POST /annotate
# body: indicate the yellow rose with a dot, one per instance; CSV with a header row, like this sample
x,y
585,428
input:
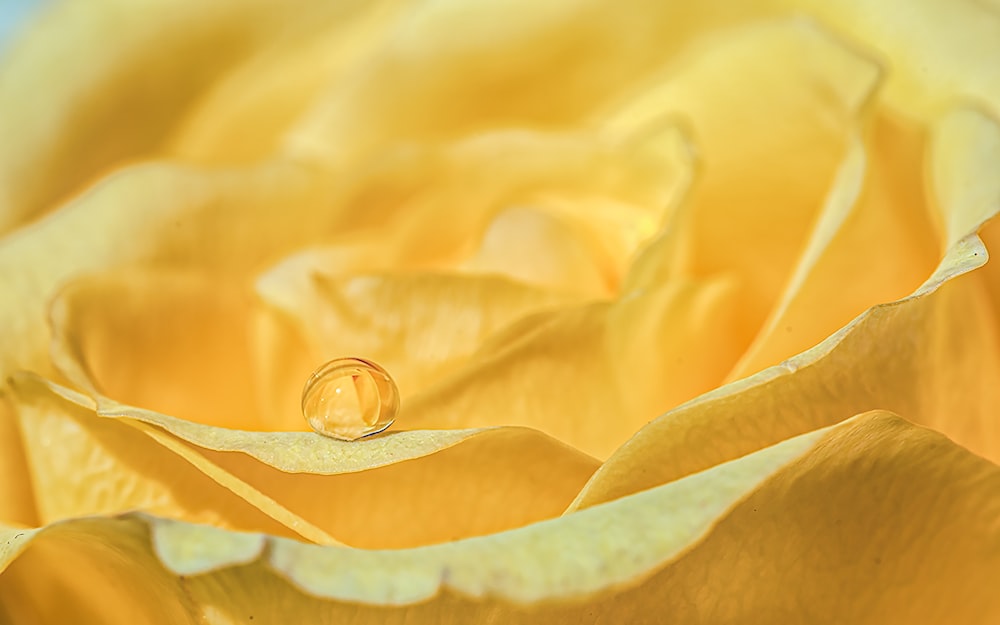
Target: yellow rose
x,y
686,303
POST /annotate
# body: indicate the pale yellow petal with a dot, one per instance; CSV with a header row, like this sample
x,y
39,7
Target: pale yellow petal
x,y
434,479
819,527
93,86
875,242
80,465
773,108
625,542
635,357
224,221
244,114
962,169
447,68
418,326
937,52
921,356
432,202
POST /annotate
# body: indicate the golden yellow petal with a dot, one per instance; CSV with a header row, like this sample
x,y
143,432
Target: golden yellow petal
x,y
174,342
17,502
921,356
636,357
98,85
225,221
820,526
419,326
432,202
123,583
625,540
873,243
433,479
768,161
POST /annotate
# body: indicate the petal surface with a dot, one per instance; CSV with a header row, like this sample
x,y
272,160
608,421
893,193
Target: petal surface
x,y
780,533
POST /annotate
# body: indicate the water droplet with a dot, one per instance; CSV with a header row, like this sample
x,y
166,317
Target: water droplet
x,y
349,398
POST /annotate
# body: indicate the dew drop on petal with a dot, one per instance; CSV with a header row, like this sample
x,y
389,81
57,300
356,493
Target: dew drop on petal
x,y
349,398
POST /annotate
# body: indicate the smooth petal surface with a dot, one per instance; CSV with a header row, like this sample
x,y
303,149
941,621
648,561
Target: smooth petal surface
x,y
418,326
17,501
636,357
768,162
446,69
876,233
938,53
156,214
92,88
102,84
174,342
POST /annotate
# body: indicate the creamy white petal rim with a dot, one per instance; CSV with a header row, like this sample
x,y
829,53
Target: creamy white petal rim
x,y
606,547
291,452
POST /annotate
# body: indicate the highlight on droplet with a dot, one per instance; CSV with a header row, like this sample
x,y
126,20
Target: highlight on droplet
x,y
350,398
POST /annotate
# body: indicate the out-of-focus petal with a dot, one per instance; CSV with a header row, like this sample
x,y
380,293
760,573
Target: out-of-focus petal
x,y
244,114
17,503
97,85
124,582
666,339
224,221
418,326
938,53
636,357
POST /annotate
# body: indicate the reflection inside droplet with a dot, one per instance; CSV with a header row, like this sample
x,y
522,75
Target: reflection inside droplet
x,y
349,398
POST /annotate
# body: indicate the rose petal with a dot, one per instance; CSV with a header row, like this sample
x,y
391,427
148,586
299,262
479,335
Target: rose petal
x,y
635,357
939,52
768,161
432,479
431,202
542,561
444,69
17,503
875,235
628,374
921,356
92,88
81,465
43,582
418,326
176,342
244,114
822,525
154,214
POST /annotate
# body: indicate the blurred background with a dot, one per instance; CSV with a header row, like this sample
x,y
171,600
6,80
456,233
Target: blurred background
x,y
13,13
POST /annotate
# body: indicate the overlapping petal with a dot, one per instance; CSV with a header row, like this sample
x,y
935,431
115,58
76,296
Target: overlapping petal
x,y
917,356
782,525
